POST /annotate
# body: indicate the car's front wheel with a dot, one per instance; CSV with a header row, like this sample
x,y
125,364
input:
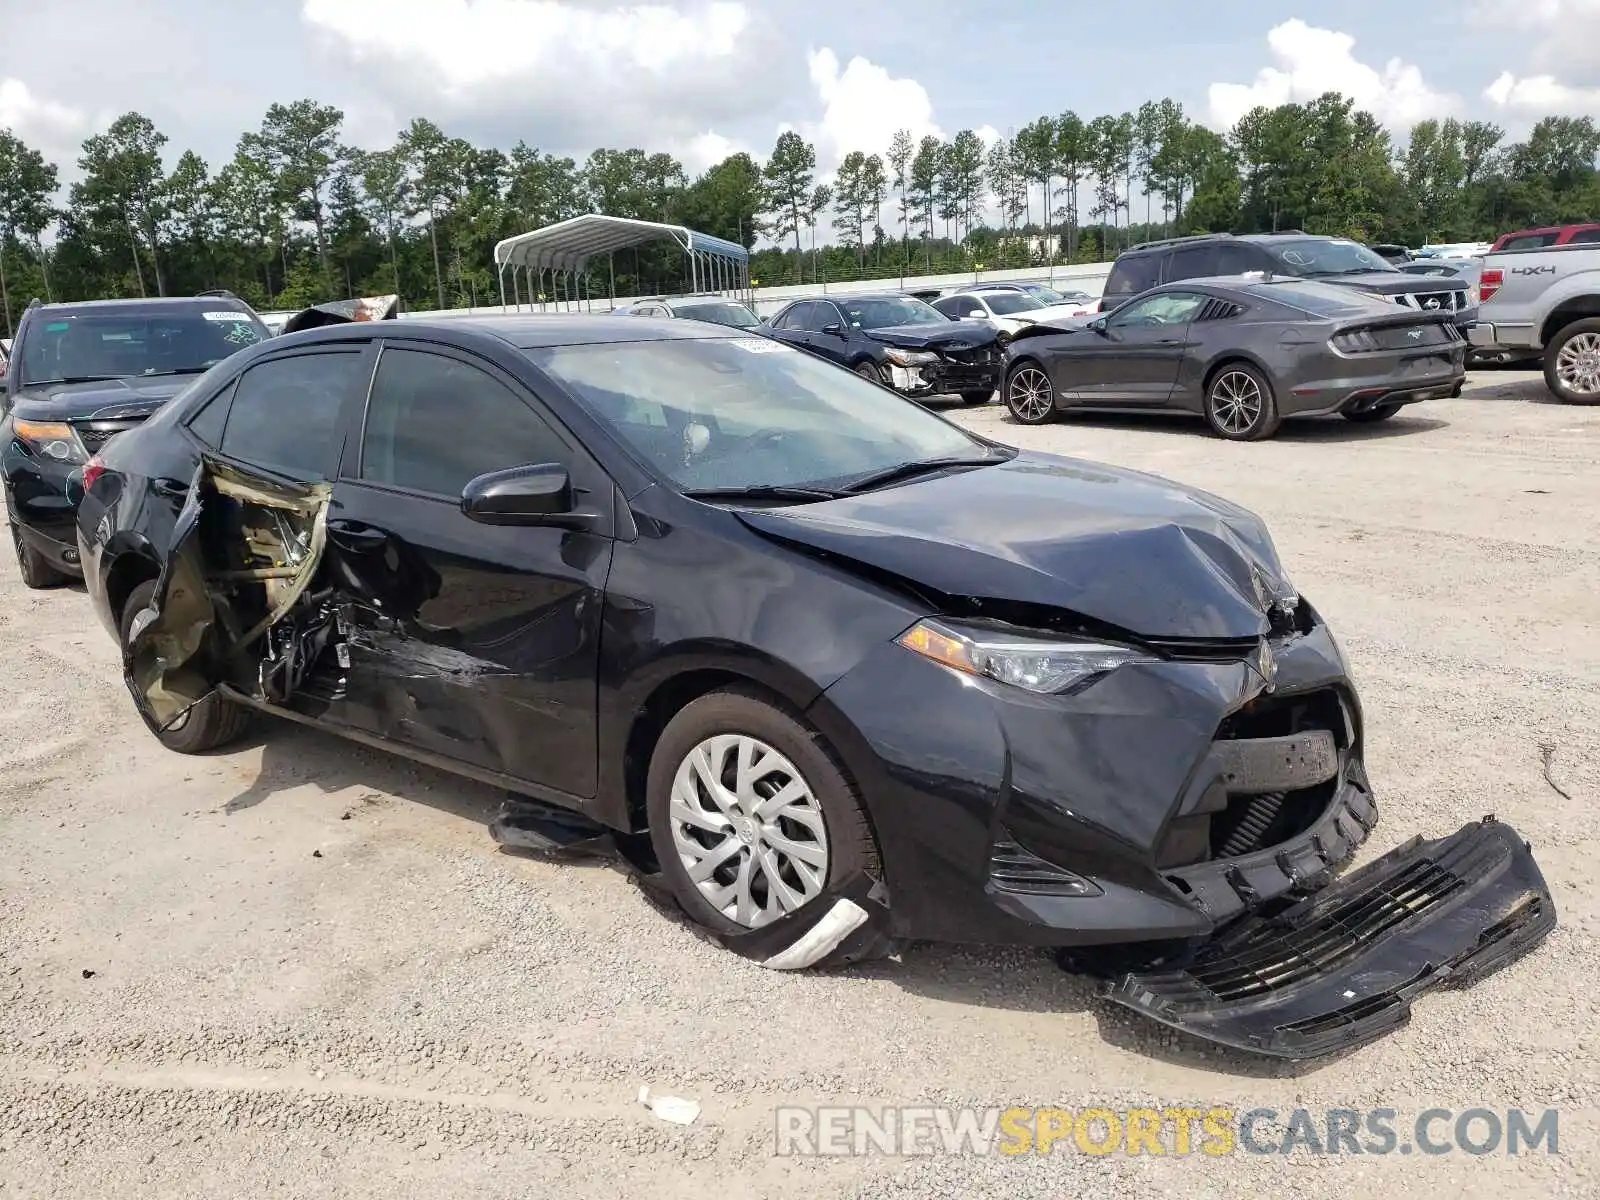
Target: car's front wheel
x,y
212,723
751,815
868,370
1029,395
34,568
1240,405
1572,363
1380,412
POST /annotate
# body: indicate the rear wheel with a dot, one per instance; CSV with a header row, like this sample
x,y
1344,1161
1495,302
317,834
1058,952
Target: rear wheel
x,y
751,815
1029,396
1240,405
36,570
212,723
1572,363
1380,412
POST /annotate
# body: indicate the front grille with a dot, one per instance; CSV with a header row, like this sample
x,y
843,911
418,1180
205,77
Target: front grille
x,y
95,434
1433,301
982,357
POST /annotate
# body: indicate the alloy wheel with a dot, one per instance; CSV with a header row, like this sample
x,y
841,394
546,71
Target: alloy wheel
x,y
1236,401
1578,363
1029,395
747,829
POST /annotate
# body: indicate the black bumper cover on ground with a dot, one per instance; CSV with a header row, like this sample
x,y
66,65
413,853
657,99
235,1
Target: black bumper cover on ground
x,y
1341,968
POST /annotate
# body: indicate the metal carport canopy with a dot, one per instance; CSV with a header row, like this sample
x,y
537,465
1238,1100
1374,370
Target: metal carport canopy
x,y
569,245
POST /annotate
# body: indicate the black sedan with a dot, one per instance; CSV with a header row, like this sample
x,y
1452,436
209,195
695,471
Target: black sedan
x,y
82,374
1243,352
826,669
896,340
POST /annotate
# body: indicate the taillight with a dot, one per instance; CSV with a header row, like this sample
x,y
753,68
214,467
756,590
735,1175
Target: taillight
x,y
1489,283
92,470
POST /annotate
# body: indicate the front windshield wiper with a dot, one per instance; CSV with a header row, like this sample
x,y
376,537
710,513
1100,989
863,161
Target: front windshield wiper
x,y
908,470
28,383
176,371
764,491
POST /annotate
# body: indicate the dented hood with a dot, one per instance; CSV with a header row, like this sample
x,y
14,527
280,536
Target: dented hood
x,y
938,335
1130,550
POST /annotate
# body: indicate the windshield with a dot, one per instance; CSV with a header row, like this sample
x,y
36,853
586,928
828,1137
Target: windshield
x,y
1043,294
744,412
111,345
725,313
1313,258
1003,304
889,311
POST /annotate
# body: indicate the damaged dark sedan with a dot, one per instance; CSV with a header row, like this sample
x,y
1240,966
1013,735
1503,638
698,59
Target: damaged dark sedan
x,y
898,341
824,669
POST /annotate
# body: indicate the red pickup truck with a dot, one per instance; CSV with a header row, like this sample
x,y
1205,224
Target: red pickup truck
x,y
1548,235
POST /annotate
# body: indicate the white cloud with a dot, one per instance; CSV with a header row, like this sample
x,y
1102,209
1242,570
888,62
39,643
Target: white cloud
x,y
862,107
1565,37
566,74
1542,95
706,150
1310,61
54,129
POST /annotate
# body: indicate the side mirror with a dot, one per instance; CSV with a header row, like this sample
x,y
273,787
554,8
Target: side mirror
x,y
1099,326
977,314
534,495
834,328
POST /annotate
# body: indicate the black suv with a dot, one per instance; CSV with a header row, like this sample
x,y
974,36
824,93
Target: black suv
x,y
79,375
1292,252
896,340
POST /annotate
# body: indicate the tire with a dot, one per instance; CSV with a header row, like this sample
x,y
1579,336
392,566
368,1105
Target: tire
x,y
212,723
718,726
1029,395
870,371
1381,413
1572,363
37,572
976,397
1239,404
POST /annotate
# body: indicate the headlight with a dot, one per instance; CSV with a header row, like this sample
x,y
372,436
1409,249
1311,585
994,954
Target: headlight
x,y
1042,665
910,358
49,439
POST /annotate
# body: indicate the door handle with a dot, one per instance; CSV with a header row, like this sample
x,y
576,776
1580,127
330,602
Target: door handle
x,y
356,535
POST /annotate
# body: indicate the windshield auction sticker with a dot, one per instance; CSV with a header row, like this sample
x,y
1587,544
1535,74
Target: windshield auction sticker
x,y
761,345
226,316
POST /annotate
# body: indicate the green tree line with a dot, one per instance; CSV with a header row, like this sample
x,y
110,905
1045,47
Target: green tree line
x,y
297,216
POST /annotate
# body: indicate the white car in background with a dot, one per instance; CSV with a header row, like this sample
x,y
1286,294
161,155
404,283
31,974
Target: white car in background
x,y
1005,310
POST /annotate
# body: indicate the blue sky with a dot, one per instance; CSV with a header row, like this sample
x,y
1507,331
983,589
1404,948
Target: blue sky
x,y
700,78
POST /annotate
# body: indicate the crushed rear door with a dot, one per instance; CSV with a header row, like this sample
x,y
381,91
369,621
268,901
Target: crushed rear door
x,y
265,540
1342,967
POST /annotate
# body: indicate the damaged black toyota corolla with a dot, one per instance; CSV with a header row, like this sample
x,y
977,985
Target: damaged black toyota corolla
x,y
826,669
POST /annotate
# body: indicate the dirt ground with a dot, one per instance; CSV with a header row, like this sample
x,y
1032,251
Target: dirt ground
x,y
300,968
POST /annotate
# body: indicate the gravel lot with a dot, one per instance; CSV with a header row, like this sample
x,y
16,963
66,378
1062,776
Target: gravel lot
x,y
313,973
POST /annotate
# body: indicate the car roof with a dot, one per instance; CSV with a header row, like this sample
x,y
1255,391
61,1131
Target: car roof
x,y
529,331
140,303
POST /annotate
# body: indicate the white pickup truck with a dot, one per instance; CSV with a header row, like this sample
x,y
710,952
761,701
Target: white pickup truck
x,y
1545,302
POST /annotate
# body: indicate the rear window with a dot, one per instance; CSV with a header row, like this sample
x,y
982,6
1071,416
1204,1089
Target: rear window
x,y
725,313
1319,301
107,344
1132,274
1005,303
1531,241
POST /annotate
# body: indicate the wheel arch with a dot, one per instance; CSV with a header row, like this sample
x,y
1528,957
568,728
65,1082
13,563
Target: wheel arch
x,y
127,571
1577,308
1234,358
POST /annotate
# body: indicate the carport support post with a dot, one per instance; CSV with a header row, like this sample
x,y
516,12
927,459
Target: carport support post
x,y
502,273
611,270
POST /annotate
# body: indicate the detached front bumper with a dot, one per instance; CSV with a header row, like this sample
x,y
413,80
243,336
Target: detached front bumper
x,y
977,371
1342,968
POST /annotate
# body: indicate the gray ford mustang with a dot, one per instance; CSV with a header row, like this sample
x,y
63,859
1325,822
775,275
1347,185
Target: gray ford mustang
x,y
1244,352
